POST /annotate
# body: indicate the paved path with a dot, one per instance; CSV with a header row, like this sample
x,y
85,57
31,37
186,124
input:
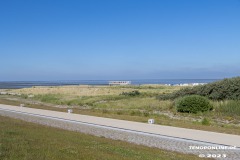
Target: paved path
x,y
172,138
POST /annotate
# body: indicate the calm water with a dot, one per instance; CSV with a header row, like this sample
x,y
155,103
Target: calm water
x,y
27,84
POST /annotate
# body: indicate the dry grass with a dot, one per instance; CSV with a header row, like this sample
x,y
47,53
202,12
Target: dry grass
x,y
85,90
145,103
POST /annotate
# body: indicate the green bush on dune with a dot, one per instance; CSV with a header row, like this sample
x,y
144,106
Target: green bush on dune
x,y
193,104
225,89
132,93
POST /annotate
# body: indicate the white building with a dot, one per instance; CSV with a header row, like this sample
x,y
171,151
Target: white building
x,y
111,83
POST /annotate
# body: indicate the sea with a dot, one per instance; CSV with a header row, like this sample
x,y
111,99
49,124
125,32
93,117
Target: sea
x,y
29,84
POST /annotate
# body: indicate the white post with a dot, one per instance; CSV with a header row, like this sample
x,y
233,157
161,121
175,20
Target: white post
x,y
151,121
70,111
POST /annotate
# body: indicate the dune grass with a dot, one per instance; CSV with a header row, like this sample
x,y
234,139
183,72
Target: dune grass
x,y
24,140
230,107
86,90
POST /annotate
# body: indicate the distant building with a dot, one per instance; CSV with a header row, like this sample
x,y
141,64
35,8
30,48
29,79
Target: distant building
x,y
189,84
197,84
119,83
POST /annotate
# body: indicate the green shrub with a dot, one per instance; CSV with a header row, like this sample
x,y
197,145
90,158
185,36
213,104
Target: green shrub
x,y
119,112
135,113
205,122
24,96
193,104
146,114
132,113
132,93
104,111
220,90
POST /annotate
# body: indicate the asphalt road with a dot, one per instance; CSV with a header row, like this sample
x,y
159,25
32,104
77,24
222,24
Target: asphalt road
x,y
145,128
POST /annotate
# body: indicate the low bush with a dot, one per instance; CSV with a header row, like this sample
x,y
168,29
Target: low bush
x,y
24,96
119,112
205,122
132,93
105,111
193,104
146,114
135,113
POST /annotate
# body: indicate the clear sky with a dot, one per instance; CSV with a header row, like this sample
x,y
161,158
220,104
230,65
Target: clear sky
x,y
119,39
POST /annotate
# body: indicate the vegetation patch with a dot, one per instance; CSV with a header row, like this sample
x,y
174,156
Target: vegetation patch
x,y
49,98
132,93
229,108
228,88
205,122
193,104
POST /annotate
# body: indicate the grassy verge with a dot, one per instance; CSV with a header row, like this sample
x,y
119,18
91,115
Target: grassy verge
x,y
138,116
24,140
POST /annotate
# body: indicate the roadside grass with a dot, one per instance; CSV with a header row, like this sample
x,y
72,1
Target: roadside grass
x,y
24,140
143,116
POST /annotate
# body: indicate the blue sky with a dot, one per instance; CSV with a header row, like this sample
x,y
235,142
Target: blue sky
x,y
119,39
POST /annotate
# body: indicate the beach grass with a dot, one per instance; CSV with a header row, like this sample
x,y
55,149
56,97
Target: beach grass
x,y
87,90
229,108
